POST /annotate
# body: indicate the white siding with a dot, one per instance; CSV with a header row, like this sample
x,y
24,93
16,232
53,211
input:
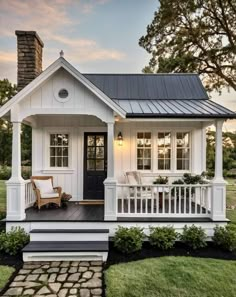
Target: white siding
x,y
80,99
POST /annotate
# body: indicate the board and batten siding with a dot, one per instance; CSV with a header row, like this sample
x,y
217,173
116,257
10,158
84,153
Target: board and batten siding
x,y
44,100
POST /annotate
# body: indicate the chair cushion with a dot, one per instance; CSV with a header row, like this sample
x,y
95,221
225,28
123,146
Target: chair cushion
x,y
131,179
44,186
49,195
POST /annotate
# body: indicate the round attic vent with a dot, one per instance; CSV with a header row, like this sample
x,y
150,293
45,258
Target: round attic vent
x,y
63,94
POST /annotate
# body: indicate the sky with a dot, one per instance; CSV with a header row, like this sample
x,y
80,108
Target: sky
x,y
95,35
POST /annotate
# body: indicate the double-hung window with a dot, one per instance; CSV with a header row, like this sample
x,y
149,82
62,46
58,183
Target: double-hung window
x,y
183,150
144,150
59,150
164,150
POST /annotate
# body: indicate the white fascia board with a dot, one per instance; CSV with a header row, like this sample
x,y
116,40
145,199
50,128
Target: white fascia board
x,y
61,62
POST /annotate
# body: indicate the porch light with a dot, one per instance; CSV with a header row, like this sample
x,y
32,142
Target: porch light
x,y
120,139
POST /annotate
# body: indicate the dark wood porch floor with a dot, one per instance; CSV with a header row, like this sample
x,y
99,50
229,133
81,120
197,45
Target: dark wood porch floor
x,y
92,213
74,212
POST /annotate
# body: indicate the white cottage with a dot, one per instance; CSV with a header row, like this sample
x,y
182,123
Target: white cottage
x,y
104,139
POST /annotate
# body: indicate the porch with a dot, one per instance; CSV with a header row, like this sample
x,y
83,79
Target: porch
x,y
146,202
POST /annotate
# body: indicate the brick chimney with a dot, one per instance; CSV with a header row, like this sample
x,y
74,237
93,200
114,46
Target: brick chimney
x,y
29,57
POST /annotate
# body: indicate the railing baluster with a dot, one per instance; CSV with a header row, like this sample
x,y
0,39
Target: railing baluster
x,y
190,200
185,200
180,189
175,200
169,199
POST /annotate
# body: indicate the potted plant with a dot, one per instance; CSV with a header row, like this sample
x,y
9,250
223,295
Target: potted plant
x,y
65,198
161,180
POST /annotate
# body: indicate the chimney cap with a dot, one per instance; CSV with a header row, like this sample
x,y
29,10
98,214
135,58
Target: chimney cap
x,y
61,54
32,33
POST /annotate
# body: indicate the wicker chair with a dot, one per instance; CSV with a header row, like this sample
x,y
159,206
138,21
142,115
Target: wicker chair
x,y
43,199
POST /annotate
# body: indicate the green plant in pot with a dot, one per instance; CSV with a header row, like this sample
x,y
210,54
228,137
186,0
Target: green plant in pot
x,y
65,198
161,180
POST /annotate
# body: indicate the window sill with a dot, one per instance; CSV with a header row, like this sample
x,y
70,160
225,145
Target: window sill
x,y
58,170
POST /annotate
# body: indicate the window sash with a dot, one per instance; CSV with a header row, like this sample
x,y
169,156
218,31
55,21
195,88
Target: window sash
x,y
59,150
144,150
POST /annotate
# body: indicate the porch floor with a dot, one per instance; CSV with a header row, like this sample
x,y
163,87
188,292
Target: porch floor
x,y
92,213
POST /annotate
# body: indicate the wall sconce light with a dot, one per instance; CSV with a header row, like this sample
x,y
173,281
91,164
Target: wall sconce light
x,y
120,139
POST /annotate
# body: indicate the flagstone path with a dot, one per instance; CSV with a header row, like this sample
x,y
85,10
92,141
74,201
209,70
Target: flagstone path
x,y
58,279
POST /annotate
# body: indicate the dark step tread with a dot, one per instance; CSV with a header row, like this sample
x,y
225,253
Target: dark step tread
x,y
69,246
69,231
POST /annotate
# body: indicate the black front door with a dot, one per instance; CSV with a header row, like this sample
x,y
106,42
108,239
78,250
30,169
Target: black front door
x,y
95,165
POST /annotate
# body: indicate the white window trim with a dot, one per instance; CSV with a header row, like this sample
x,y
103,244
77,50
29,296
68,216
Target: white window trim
x,y
154,156
46,143
136,149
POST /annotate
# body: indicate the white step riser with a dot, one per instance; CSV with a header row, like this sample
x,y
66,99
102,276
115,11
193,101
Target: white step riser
x,y
65,256
68,236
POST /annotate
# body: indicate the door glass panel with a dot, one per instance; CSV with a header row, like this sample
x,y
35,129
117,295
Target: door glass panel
x,y
91,140
91,152
99,165
100,152
91,165
99,140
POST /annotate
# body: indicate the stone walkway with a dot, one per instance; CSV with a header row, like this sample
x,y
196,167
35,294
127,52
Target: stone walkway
x,y
62,279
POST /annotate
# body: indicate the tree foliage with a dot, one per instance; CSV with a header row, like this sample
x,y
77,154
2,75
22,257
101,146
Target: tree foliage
x,y
7,91
194,36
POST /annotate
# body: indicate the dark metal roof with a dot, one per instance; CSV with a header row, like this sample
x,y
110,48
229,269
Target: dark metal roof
x,y
149,86
160,95
175,108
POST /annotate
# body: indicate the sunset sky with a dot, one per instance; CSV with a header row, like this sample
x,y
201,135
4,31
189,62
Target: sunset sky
x,y
96,35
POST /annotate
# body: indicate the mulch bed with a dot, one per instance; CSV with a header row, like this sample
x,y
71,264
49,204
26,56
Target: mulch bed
x,y
211,251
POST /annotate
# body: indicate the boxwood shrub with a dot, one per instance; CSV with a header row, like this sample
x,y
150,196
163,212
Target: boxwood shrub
x,y
225,237
129,240
194,237
163,237
13,241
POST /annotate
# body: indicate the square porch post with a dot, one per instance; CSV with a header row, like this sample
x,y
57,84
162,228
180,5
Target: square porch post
x,y
110,202
16,185
218,199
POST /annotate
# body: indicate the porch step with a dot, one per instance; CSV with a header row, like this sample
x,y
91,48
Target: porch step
x,y
69,235
70,251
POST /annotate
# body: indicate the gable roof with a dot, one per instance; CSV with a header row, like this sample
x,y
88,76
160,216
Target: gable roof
x,y
150,86
61,63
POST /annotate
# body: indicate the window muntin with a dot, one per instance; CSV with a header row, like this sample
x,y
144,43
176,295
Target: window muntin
x,y
59,150
144,150
182,150
164,151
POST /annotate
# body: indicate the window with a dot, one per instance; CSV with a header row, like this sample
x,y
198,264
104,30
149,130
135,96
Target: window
x,y
164,151
183,150
59,150
144,150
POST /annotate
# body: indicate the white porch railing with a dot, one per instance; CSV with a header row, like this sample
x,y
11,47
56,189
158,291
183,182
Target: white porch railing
x,y
164,200
29,194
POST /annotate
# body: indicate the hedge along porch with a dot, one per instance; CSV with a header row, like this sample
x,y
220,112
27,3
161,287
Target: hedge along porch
x,y
162,120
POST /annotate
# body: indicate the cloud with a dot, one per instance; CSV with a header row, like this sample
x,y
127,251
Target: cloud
x,y
7,57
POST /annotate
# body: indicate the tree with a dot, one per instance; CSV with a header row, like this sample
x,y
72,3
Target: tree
x,y
194,36
7,91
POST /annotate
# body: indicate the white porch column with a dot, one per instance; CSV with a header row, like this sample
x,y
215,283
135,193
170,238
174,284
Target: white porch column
x,y
218,199
110,203
16,185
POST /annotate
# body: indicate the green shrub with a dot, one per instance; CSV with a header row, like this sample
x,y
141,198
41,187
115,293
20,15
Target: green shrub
x,y
193,236
225,237
161,180
5,172
13,241
128,240
162,237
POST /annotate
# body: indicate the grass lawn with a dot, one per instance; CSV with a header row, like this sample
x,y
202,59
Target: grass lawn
x,y
231,199
172,277
5,274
